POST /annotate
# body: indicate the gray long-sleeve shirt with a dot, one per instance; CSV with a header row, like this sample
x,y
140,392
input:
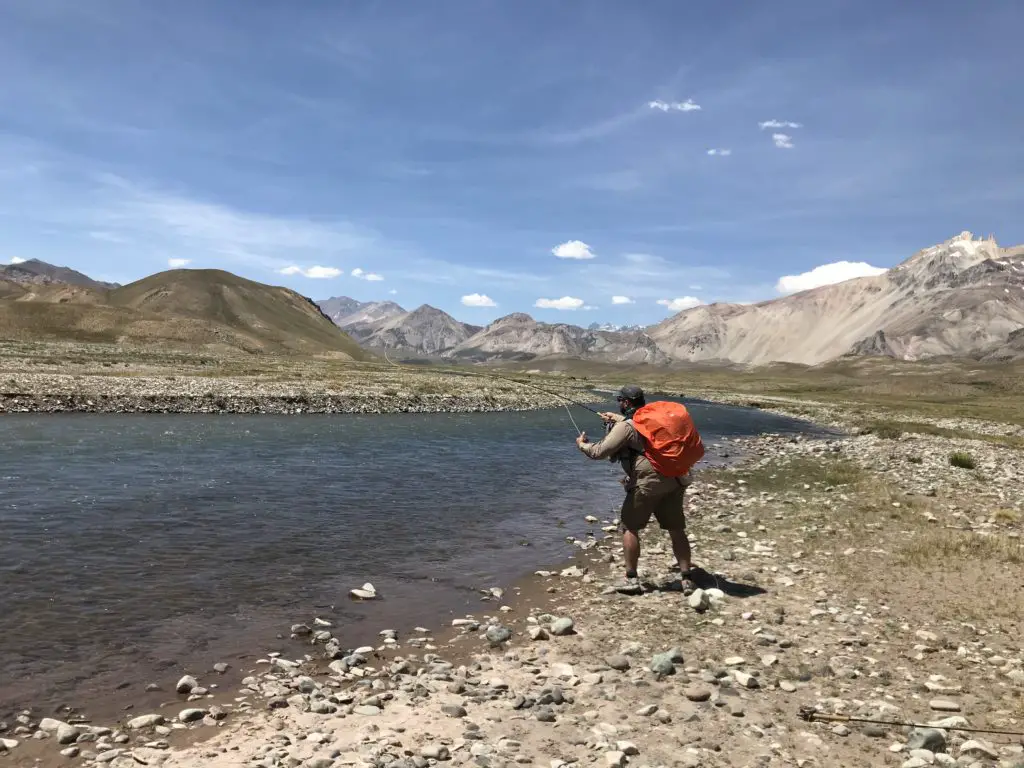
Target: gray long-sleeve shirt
x,y
625,445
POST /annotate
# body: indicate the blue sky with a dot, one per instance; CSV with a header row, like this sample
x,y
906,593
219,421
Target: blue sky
x,y
476,148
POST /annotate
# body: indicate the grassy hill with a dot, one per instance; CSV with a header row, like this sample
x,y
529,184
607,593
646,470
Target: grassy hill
x,y
210,309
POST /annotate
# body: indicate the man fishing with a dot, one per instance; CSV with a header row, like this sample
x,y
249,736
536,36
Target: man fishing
x,y
645,439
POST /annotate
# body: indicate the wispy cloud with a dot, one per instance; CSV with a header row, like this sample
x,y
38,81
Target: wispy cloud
x,y
719,152
14,260
478,300
107,237
782,140
774,124
314,273
826,274
178,263
573,249
622,300
681,303
566,302
362,275
674,106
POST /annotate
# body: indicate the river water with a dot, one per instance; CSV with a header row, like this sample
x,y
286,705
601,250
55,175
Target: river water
x,y
132,546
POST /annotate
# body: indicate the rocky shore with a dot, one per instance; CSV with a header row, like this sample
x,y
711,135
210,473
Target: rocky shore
x,y
375,391
869,578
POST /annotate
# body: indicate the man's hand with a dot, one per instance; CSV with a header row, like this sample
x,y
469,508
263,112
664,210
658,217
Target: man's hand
x,y
609,417
581,439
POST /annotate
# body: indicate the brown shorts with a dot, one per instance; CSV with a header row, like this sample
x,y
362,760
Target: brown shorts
x,y
667,508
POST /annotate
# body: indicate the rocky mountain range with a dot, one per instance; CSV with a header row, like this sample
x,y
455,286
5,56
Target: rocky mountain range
x,y
36,272
962,298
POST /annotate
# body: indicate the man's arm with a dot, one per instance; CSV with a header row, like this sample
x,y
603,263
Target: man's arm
x,y
613,442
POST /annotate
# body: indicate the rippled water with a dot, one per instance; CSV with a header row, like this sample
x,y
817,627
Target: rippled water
x,y
135,544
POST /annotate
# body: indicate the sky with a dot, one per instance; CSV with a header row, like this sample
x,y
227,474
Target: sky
x,y
582,160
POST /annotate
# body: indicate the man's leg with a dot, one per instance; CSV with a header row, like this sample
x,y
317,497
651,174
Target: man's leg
x,y
672,518
633,518
681,548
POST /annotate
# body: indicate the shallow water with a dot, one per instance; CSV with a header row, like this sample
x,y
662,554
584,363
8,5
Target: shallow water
x,y
133,546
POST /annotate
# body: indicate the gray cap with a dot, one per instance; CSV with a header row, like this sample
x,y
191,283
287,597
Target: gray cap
x,y
630,392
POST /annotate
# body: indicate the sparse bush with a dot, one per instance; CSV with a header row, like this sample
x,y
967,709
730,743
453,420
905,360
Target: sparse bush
x,y
888,431
915,459
962,459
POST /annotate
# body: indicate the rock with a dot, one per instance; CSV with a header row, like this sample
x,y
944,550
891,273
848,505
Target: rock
x,y
304,684
498,634
747,681
186,684
366,592
944,705
662,665
67,734
615,759
367,710
321,761
978,749
191,715
301,630
931,739
220,667
69,752
840,730
545,715
697,692
107,756
874,731
620,663
49,726
8,744
537,633
435,752
699,600
787,686
735,661
914,762
145,721
628,748
563,626
647,711
454,711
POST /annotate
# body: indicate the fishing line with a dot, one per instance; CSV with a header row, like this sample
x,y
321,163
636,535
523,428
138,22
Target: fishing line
x,y
521,383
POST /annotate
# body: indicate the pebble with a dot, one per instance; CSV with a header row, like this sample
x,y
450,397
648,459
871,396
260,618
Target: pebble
x,y
186,684
367,710
699,600
67,734
435,752
145,721
978,749
931,739
787,686
615,759
647,711
944,705
70,752
537,633
191,715
498,634
697,692
562,626
620,663
454,711
746,680
662,664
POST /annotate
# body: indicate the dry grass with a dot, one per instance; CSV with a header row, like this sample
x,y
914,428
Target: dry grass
x,y
962,460
949,548
794,474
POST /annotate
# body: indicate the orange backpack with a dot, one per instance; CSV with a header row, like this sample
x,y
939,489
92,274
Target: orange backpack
x,y
673,443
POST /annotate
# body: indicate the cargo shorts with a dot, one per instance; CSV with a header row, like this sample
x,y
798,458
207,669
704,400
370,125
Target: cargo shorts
x,y
666,507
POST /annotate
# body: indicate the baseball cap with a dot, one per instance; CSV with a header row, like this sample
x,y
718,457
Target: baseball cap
x,y
630,392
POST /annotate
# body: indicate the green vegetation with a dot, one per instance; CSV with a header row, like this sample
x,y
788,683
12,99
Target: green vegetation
x,y
793,475
962,459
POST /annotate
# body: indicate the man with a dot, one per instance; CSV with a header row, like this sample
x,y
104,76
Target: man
x,y
647,492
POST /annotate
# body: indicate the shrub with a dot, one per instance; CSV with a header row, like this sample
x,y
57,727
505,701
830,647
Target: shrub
x,y
962,459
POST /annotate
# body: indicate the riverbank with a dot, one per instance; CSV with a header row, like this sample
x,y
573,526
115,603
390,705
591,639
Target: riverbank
x,y
875,576
107,379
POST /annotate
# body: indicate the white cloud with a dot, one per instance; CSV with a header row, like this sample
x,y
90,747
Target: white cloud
x,y
392,291
826,274
478,300
676,106
681,303
358,272
782,140
778,124
573,249
314,273
178,263
566,302
719,152
16,260
622,300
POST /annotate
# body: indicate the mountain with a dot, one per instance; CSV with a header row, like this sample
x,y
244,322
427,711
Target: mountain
x,y
362,316
519,337
425,331
613,327
960,298
210,309
37,272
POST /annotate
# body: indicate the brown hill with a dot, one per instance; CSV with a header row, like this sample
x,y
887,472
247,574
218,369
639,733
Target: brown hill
x,y
36,272
205,308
